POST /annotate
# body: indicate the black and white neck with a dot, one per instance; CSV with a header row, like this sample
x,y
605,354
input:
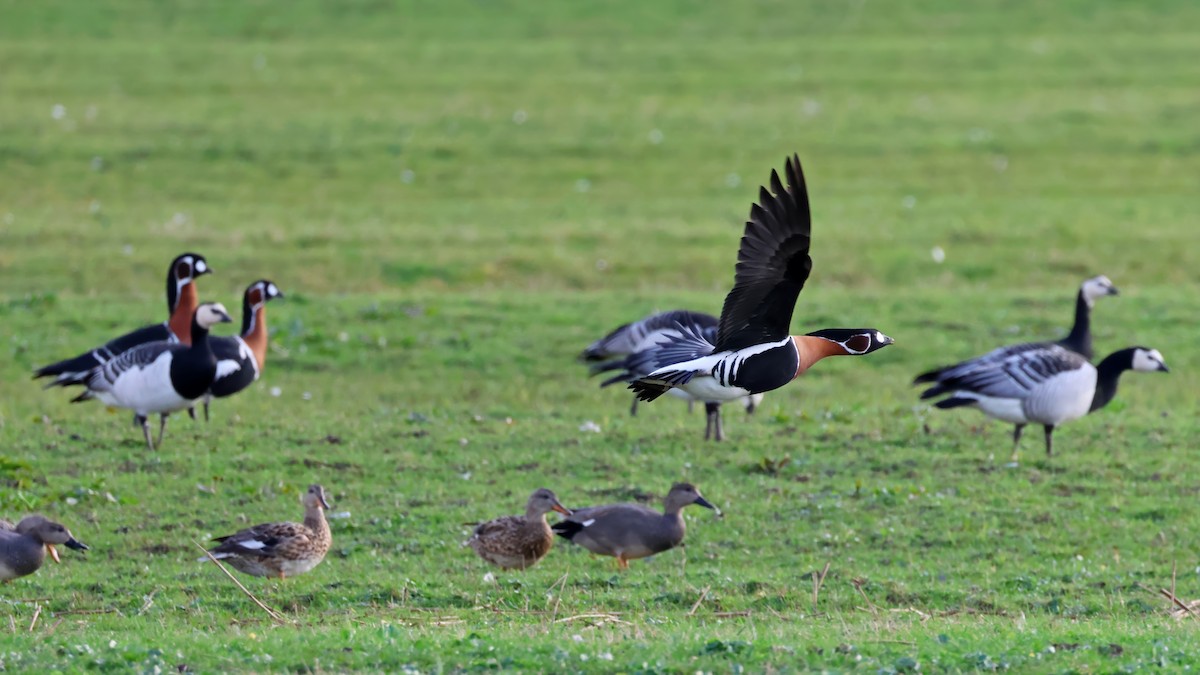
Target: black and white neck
x,y
1108,373
1079,340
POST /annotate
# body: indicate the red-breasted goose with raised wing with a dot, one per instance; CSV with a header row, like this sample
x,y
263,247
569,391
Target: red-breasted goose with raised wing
x,y
160,377
280,550
181,304
641,339
1040,383
241,358
1079,341
753,352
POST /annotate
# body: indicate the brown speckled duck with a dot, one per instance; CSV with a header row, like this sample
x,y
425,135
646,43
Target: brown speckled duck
x,y
23,547
631,531
280,549
518,542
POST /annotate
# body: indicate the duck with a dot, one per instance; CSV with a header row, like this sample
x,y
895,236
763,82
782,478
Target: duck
x,y
23,547
241,358
633,348
1045,384
182,300
519,542
753,351
159,377
1078,341
631,531
280,550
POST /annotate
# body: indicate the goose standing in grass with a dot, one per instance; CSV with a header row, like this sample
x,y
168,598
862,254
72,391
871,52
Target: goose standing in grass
x,y
631,531
23,547
642,340
159,377
518,542
280,549
753,351
1079,341
1043,384
182,301
241,358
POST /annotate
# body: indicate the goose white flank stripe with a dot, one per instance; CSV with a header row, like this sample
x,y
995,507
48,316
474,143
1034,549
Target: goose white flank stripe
x,y
1023,361
241,358
753,352
650,341
181,303
159,377
1045,384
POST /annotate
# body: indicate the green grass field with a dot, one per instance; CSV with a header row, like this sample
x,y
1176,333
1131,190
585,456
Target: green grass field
x,y
457,197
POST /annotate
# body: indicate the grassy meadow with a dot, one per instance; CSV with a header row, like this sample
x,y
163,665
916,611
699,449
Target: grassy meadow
x,y
457,197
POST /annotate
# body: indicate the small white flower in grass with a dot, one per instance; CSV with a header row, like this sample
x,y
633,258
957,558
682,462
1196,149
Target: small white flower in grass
x,y
307,396
591,426
112,644
519,117
407,176
583,185
343,336
655,136
489,578
605,656
59,111
276,392
577,637
463,442
71,501
338,515
909,202
938,254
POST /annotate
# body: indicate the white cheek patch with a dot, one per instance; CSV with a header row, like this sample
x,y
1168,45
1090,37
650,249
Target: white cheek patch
x,y
272,291
201,268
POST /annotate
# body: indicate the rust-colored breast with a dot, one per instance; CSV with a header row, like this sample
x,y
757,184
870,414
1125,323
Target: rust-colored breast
x,y
180,322
812,349
256,340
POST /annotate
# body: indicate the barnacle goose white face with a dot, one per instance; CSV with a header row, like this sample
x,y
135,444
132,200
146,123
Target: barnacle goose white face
x,y
1148,360
210,314
1097,287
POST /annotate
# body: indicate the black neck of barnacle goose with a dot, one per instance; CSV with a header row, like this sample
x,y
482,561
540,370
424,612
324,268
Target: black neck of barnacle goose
x,y
1108,373
199,336
1080,338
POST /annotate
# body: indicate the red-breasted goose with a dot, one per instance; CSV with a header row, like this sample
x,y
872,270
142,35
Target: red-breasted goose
x,y
753,352
159,377
23,547
241,358
280,550
518,542
643,339
181,304
1039,383
631,531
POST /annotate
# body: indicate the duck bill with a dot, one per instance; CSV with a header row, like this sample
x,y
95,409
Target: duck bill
x,y
706,504
324,504
561,509
53,553
76,545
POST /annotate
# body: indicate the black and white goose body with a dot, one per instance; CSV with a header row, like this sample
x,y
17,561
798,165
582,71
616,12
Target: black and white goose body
x,y
753,352
181,304
241,358
642,340
159,377
1040,383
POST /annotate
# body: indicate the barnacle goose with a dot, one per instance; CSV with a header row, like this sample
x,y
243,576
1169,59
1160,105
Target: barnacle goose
x,y
159,377
753,352
1039,383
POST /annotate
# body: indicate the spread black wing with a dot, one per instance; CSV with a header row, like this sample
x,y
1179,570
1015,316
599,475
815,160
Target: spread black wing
x,y
773,264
